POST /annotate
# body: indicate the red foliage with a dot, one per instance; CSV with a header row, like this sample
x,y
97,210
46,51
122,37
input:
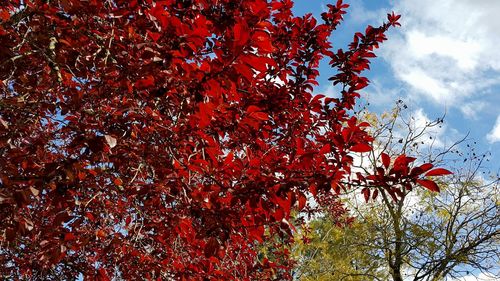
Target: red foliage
x,y
151,139
398,178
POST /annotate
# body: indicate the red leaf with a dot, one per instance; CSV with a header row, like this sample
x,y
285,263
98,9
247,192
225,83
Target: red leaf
x,y
302,201
255,62
211,247
244,70
154,35
69,236
393,19
215,145
335,186
386,160
313,189
229,159
438,172
145,82
257,233
260,116
425,167
431,185
366,193
241,34
90,216
361,147
205,114
4,15
285,203
325,149
262,41
103,276
401,163
340,5
403,160
253,108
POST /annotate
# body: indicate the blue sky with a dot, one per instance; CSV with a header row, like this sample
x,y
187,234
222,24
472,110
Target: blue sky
x,y
444,59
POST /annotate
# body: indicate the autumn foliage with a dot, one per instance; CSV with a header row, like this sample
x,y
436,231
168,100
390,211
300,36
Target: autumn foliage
x,y
166,139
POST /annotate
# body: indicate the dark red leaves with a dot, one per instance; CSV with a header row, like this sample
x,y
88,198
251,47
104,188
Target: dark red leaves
x,y
145,82
244,70
403,161
386,160
154,35
4,15
255,112
325,149
262,41
438,172
399,178
393,19
431,185
69,236
241,34
211,247
425,167
173,137
401,164
102,275
253,108
302,201
366,193
257,233
260,116
361,147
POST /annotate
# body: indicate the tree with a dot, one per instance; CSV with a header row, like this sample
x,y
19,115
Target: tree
x,y
421,236
166,139
333,251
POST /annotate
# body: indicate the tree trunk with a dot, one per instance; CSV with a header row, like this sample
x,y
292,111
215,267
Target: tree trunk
x,y
396,274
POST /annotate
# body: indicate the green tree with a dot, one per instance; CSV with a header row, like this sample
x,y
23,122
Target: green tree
x,y
420,236
339,252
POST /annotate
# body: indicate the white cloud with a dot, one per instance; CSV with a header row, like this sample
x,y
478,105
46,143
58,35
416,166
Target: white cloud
x,y
494,135
446,50
381,95
359,14
433,136
471,109
429,86
464,53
